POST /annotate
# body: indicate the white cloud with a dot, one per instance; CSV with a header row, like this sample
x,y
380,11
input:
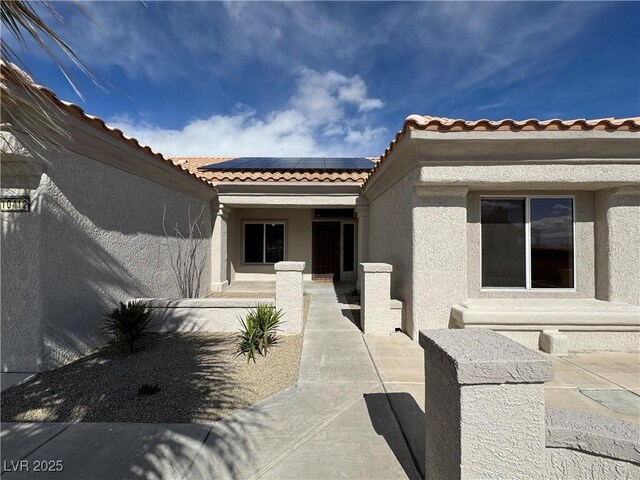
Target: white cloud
x,y
324,117
322,96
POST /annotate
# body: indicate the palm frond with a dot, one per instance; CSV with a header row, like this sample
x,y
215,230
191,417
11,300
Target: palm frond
x,y
25,108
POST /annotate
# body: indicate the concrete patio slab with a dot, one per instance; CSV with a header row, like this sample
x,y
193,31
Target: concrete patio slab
x,y
246,287
572,399
621,401
567,374
327,342
343,449
407,401
120,450
17,440
397,358
339,322
242,445
620,368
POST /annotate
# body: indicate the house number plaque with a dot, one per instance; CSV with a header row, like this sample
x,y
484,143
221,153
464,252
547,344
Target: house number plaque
x,y
15,204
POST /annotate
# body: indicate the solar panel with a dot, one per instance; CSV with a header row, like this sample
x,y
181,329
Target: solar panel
x,y
292,163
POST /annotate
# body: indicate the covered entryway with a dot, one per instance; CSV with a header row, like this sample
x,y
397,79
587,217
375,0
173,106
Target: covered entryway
x,y
257,226
326,251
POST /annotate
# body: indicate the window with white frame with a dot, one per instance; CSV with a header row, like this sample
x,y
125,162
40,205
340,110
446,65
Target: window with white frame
x,y
263,242
528,242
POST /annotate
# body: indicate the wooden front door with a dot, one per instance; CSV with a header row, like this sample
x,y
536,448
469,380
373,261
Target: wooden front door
x,y
326,251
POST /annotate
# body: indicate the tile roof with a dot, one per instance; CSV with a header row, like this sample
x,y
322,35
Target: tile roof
x,y
192,164
444,124
96,122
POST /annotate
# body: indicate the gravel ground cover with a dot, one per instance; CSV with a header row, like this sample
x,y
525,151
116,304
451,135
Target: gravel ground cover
x,y
200,379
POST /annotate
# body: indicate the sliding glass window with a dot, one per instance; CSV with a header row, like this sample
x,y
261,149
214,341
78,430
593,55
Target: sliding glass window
x,y
263,242
551,242
503,243
527,242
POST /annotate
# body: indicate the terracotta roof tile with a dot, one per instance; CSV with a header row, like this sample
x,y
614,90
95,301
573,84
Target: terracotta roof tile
x,y
425,122
444,124
193,164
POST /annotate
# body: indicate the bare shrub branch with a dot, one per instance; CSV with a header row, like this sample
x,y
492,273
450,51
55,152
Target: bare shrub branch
x,y
188,260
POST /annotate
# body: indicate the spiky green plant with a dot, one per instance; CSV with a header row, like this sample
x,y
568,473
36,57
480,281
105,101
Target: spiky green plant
x,y
258,331
129,324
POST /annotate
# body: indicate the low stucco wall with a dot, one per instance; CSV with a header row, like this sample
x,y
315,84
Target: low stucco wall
x,y
485,416
201,314
589,446
94,237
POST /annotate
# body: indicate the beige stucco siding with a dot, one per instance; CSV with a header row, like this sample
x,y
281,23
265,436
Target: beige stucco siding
x,y
584,210
390,227
297,228
618,245
94,237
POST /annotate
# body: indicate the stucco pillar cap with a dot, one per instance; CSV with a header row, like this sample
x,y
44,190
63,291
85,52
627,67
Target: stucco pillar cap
x,y
289,266
478,356
376,267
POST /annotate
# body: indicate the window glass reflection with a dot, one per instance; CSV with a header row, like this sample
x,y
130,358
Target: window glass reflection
x,y
274,249
551,243
503,242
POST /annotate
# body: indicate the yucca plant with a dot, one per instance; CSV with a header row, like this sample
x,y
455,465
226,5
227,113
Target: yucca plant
x,y
129,324
258,331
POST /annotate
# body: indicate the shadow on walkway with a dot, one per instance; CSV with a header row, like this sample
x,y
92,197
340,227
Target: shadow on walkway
x,y
386,424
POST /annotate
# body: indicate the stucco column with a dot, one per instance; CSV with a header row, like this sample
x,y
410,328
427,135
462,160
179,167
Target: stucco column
x,y
439,239
618,245
290,295
484,406
219,279
362,212
375,299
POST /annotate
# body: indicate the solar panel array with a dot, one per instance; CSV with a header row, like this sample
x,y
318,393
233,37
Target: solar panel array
x,y
292,163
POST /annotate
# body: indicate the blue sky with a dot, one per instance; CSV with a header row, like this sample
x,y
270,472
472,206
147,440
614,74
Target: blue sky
x,y
336,78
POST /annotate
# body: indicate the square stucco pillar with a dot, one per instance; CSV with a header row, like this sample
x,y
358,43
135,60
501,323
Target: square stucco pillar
x,y
290,295
375,299
484,406
439,239
219,279
617,245
362,212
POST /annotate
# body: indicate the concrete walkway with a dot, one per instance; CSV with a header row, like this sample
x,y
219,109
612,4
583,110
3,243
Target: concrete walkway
x,y
336,422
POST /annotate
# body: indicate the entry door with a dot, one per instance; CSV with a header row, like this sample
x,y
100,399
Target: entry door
x,y
326,251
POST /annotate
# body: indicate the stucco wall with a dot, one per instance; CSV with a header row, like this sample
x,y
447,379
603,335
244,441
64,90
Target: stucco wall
x,y
440,256
390,240
298,225
94,237
618,245
297,233
584,210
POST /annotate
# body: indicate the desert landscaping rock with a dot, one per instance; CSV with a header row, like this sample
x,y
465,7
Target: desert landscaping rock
x,y
200,379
